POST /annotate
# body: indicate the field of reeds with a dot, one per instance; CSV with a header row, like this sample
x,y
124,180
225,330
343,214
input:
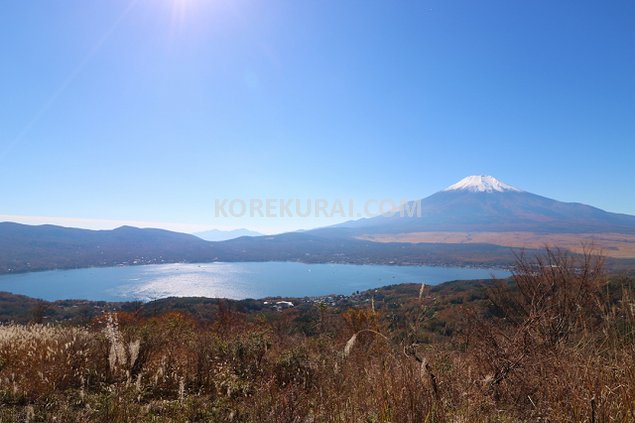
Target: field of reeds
x,y
557,344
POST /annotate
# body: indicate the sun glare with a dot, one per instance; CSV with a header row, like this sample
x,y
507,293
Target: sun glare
x,y
185,15
181,9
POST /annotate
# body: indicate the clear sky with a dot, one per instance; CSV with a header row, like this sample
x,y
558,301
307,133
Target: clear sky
x,y
147,111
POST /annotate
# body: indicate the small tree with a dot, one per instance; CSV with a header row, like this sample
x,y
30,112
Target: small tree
x,y
553,296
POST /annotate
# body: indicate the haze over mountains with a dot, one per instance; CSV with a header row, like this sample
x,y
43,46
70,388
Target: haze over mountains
x,y
474,221
219,235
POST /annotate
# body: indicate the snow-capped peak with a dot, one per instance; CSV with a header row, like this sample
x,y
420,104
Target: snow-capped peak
x,y
481,183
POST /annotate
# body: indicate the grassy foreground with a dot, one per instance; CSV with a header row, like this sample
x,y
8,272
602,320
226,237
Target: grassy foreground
x,y
556,344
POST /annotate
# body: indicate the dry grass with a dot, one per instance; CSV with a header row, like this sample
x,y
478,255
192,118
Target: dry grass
x,y
558,347
612,244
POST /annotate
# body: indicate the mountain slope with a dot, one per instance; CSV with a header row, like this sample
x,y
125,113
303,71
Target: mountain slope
x,y
25,247
484,204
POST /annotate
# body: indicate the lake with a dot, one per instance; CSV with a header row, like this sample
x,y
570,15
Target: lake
x,y
225,280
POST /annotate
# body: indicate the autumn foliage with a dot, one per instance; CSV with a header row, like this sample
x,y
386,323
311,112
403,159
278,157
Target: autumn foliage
x,y
554,344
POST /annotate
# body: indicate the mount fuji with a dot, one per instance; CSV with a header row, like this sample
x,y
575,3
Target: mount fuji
x,y
478,220
482,183
486,204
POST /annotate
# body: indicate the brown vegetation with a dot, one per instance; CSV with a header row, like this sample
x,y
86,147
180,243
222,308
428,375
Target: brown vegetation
x,y
557,344
612,244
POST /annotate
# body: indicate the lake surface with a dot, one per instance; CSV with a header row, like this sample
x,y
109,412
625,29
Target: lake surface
x,y
226,280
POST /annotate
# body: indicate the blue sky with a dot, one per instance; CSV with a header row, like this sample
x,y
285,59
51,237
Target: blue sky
x,y
146,111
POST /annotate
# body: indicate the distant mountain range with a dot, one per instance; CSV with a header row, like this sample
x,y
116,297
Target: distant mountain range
x,y
474,221
26,247
219,235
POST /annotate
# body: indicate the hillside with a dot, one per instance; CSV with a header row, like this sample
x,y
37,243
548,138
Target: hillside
x,y
25,247
461,351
